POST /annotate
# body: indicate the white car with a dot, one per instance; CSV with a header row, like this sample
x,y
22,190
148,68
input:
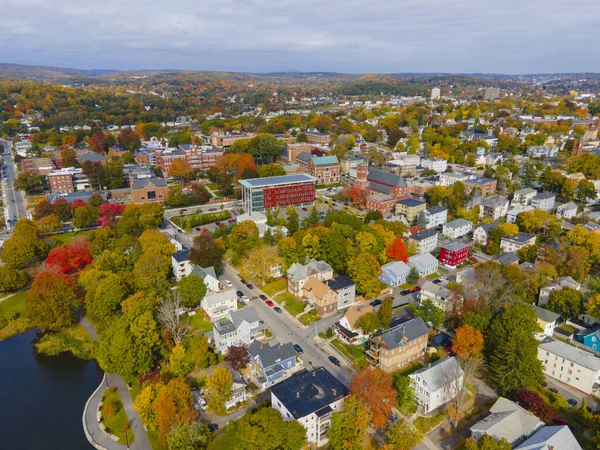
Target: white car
x,y
244,299
228,283
202,403
442,278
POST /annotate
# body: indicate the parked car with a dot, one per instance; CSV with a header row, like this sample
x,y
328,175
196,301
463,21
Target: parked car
x,y
212,209
416,289
405,292
218,224
232,220
278,309
553,390
298,349
203,403
244,299
249,286
572,402
242,280
334,360
375,303
270,303
436,281
213,427
227,283
442,278
240,293
263,297
474,260
197,228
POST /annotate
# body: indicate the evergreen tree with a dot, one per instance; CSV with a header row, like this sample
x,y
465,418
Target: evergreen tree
x,y
312,219
421,221
292,220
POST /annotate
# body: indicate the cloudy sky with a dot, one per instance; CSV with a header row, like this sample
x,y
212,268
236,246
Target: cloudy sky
x,y
490,36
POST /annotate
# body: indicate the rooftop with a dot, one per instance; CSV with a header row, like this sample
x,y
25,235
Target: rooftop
x,y
409,330
387,178
551,438
440,374
411,202
457,223
425,234
271,354
279,180
570,353
339,282
520,238
454,246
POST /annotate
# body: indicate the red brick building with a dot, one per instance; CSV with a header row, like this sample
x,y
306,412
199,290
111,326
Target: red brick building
x,y
383,203
165,158
486,185
454,253
39,166
201,157
259,194
147,190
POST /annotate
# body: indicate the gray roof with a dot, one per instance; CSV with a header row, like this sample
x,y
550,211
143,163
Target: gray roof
x,y
436,289
90,156
388,178
546,315
422,259
570,353
519,238
141,183
458,223
282,179
525,191
454,246
380,188
271,354
213,298
440,374
304,157
181,255
411,202
235,319
83,195
302,271
488,227
203,272
544,195
424,234
340,282
567,206
551,437
507,420
435,210
494,202
411,329
507,258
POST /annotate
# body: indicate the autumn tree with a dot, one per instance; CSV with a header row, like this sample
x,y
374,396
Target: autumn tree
x,y
72,258
11,279
109,212
402,436
42,209
592,306
260,264
397,251
207,251
218,389
533,402
190,291
566,302
50,302
24,247
349,426
293,223
374,388
271,170
237,357
189,436
467,341
180,169
173,407
385,312
86,216
364,270
244,237
150,273
236,162
369,322
48,224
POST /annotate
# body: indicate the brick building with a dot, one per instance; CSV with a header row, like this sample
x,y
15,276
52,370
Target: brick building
x,y
67,180
201,157
147,190
383,203
165,158
486,185
380,182
39,166
454,253
259,194
316,137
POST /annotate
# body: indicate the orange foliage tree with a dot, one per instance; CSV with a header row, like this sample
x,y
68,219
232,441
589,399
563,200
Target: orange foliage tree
x,y
355,195
397,250
467,341
236,161
375,389
173,406
180,169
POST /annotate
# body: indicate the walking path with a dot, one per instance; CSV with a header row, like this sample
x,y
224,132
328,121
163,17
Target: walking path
x,y
95,435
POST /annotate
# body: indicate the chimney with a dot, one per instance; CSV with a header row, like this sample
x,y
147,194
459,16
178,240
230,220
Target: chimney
x,y
297,394
279,345
334,392
403,329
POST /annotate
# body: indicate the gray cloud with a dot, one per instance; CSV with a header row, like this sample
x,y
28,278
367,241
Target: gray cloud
x,y
501,36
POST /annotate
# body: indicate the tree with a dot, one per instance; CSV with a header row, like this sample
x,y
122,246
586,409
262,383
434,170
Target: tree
x,y
72,258
109,212
405,394
244,237
374,388
103,302
402,436
349,426
96,200
566,302
50,302
437,195
485,442
292,223
156,243
180,169
364,270
190,291
171,321
179,364
11,279
237,357
586,191
385,312
113,175
529,174
592,306
397,251
189,436
264,148
62,209
95,173
264,429
218,389
207,251
24,247
173,407
48,224
373,216
414,276
533,402
431,313
260,264
199,352
568,189
312,219
86,217
68,157
467,341
150,273
28,182
512,350
42,209
479,320
271,170
369,322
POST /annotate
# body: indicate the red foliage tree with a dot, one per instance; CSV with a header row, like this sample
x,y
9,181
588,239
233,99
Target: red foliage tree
x,y
109,213
375,389
397,250
532,401
237,357
98,143
70,259
76,204
355,195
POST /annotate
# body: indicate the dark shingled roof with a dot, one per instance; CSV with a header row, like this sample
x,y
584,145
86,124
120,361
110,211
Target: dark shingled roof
x,y
181,255
339,283
141,183
271,354
382,177
412,329
308,392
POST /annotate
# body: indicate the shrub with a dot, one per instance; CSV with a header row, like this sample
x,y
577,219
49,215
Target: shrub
x,y
532,401
110,408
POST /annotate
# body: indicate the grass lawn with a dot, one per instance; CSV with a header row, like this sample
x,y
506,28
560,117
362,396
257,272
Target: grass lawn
x,y
284,297
60,240
424,424
274,287
355,353
568,328
295,307
213,186
14,304
115,423
309,317
408,370
433,276
75,340
199,322
224,440
153,439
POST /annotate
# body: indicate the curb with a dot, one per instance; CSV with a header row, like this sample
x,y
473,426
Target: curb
x,y
88,435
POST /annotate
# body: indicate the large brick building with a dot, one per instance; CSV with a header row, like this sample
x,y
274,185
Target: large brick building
x,y
39,166
454,253
226,139
147,190
68,180
316,137
165,158
201,157
326,169
259,194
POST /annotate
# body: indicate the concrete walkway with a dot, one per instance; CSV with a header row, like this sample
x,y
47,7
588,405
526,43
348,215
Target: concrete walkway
x,y
96,436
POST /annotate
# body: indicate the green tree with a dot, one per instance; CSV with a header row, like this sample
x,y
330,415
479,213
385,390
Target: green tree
x,y
437,195
28,182
244,237
568,189
190,291
364,270
405,394
179,363
529,174
218,389
106,299
312,219
24,247
292,223
11,279
566,302
413,276
349,426
334,250
199,352
85,216
264,147
150,274
207,252
385,312
431,313
271,170
265,429
512,350
402,436
586,191
50,302
369,322
189,436
113,175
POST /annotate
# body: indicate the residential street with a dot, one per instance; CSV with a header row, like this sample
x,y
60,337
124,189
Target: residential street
x,y
14,208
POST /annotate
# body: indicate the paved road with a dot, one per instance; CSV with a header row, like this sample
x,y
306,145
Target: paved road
x,y
13,200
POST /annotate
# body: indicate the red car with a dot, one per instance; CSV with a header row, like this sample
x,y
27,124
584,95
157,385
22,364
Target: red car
x,y
416,289
270,303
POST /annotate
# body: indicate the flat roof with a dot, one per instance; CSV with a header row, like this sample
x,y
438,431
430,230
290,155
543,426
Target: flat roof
x,y
274,181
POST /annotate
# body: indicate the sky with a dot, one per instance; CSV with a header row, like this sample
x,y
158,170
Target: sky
x,y
368,36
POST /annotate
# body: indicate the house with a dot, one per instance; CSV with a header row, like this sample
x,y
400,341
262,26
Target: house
x,y
493,208
347,328
487,186
451,178
321,296
434,216
91,157
516,242
426,240
507,259
523,197
399,346
181,264
310,398
547,320
345,289
571,365
557,437
481,234
425,263
437,384
509,421
394,273
438,165
239,327
559,284
541,151
566,210
239,393
511,215
410,208
590,337
271,364
457,228
454,253
384,203
218,304
298,273
209,276
441,297
544,200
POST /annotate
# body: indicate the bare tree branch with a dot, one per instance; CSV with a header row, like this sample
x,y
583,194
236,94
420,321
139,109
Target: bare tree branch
x,y
171,321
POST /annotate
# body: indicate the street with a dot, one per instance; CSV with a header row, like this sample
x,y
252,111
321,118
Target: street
x,y
13,200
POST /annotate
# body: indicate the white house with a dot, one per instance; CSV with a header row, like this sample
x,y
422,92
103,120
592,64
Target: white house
x,y
481,234
437,384
441,297
557,285
426,240
571,365
547,320
239,327
437,164
511,215
256,217
181,264
394,273
425,263
516,242
566,210
557,437
457,228
435,216
544,200
209,276
310,398
493,208
523,197
218,304
451,178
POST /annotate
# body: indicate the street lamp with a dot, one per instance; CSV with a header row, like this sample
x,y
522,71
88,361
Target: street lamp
x,y
126,429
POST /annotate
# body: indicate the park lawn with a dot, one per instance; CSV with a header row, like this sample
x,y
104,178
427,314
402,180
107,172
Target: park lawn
x,y
153,439
425,424
224,440
200,323
14,304
433,276
115,423
295,307
63,239
75,340
275,287
309,317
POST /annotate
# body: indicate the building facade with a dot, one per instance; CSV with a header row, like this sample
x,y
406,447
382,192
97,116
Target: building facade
x,y
454,253
457,228
259,194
